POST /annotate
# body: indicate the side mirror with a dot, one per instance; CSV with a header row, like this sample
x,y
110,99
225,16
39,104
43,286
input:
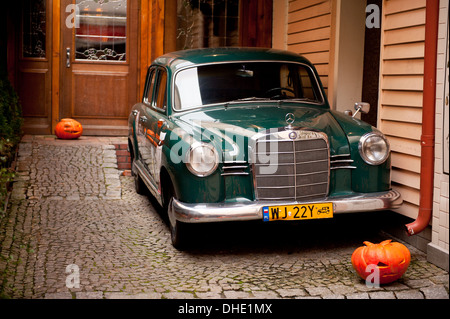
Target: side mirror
x,y
362,107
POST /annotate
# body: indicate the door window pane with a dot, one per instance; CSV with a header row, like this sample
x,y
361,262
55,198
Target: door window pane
x,y
33,29
102,30
161,98
207,23
151,86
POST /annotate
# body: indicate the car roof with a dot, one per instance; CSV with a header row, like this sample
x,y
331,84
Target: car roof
x,y
178,59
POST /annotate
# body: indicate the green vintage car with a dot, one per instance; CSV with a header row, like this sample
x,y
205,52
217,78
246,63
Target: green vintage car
x,y
235,134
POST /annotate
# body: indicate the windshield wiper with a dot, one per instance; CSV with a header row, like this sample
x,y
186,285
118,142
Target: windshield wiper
x,y
249,99
299,99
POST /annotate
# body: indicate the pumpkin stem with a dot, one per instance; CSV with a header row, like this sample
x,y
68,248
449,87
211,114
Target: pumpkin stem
x,y
385,242
368,243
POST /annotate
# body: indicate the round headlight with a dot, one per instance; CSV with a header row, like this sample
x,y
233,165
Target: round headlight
x,y
202,159
374,148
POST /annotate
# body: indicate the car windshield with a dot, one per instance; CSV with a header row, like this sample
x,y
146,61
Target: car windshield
x,y
243,82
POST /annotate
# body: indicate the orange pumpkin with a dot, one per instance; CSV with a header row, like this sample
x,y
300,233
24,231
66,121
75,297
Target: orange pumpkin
x,y
68,129
391,260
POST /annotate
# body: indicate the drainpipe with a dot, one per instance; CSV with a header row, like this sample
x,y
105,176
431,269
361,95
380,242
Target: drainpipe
x,y
428,120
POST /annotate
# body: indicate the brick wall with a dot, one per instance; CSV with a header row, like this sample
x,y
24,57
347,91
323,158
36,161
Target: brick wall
x,y
123,157
440,236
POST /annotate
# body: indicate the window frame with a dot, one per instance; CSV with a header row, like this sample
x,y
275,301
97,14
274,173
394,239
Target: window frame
x,y
148,84
154,72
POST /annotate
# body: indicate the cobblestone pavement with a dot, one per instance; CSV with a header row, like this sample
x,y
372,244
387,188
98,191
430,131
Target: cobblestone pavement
x,y
72,212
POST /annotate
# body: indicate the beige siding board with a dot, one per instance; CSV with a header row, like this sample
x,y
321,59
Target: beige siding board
x,y
403,83
314,11
316,58
302,4
310,24
390,7
406,162
405,35
442,29
311,35
406,178
404,51
402,114
405,19
410,195
401,129
402,98
324,80
403,67
311,47
322,69
443,13
408,209
405,146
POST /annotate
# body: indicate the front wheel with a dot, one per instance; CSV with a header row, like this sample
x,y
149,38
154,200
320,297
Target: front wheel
x,y
178,230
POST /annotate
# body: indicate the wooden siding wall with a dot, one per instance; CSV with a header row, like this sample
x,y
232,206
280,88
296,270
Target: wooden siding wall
x,y
309,33
401,84
151,35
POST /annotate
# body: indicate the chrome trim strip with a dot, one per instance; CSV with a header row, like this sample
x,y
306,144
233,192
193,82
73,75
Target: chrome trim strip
x,y
337,160
252,210
235,167
234,162
235,174
340,155
342,161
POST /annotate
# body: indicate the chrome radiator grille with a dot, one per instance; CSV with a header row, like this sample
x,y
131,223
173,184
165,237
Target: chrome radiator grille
x,y
291,165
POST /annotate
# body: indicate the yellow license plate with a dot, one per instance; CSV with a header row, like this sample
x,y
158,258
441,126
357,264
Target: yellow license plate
x,y
298,212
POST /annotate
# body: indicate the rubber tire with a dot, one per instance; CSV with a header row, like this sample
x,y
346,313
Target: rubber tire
x,y
179,231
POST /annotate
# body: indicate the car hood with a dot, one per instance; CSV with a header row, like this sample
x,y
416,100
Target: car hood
x,y
225,126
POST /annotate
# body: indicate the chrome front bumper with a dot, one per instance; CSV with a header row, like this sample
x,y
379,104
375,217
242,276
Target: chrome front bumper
x,y
252,210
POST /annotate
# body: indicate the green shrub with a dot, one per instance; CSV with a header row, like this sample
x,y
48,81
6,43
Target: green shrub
x,y
10,132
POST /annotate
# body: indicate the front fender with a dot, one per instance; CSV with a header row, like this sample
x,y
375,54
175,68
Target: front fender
x,y
188,187
365,178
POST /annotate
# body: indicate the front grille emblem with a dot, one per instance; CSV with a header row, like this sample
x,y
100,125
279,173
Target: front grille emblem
x,y
290,118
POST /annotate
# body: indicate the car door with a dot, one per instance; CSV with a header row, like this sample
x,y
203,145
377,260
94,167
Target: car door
x,y
142,123
153,121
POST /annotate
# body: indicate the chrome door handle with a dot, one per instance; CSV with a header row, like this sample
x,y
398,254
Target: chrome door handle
x,y
68,57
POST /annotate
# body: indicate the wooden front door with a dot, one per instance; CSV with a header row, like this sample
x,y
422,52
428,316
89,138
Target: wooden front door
x,y
34,51
99,63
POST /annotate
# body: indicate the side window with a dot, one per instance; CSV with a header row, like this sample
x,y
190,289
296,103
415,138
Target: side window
x,y
150,86
162,85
